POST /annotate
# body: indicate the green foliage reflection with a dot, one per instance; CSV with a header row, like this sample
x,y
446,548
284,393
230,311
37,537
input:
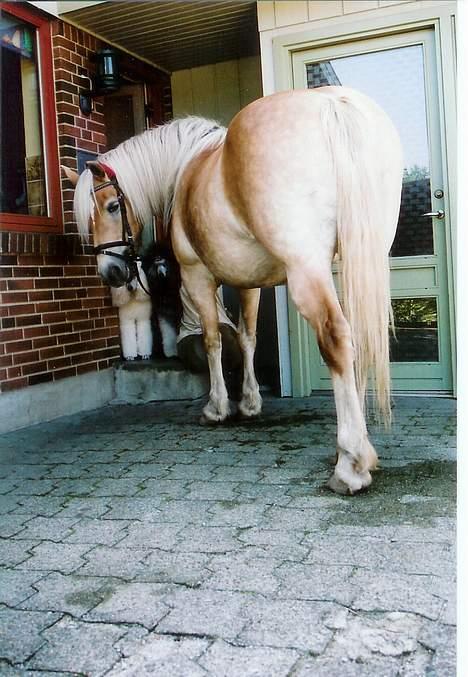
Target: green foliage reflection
x,y
415,312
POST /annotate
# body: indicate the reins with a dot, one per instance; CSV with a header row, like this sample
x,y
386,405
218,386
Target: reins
x,y
130,256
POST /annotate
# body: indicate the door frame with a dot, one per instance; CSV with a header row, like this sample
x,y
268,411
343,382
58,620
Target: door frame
x,y
441,19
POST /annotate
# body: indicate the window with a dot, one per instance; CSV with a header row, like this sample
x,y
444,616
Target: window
x,y
29,172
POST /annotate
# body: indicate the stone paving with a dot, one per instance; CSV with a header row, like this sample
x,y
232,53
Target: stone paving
x,y
135,542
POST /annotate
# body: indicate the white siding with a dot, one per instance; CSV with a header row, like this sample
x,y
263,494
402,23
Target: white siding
x,y
218,90
278,14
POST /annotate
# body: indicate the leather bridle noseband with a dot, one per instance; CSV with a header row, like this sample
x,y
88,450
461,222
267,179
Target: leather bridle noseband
x,y
130,257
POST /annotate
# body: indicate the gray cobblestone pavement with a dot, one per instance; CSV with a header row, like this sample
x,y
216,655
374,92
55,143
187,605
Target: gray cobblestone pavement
x,y
134,542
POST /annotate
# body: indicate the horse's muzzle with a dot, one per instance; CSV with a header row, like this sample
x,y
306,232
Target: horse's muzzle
x,y
115,273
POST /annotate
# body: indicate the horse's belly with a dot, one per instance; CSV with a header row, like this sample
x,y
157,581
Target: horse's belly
x,y
216,231
243,264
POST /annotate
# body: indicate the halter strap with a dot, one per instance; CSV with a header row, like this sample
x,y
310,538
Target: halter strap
x,y
99,248
130,256
106,184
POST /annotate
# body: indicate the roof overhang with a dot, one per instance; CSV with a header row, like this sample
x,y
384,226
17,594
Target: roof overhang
x,y
172,34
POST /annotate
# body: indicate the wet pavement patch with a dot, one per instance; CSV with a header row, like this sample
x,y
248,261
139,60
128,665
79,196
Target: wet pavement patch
x,y
415,493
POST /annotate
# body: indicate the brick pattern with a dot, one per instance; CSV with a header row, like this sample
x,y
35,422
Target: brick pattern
x,y
56,318
72,61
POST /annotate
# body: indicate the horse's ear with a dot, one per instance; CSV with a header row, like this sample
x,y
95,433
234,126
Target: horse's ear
x,y
70,174
96,170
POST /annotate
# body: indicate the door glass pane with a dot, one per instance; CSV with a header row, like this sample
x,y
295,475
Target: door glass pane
x,y
416,330
22,180
394,78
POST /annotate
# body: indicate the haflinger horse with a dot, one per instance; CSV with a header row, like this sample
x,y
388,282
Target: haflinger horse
x,y
297,178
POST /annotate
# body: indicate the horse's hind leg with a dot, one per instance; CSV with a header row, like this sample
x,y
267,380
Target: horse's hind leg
x,y
201,287
251,402
315,298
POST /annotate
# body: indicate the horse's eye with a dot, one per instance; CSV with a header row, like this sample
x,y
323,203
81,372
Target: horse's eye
x,y
113,207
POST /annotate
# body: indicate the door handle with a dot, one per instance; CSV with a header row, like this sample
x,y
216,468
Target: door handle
x,y
440,214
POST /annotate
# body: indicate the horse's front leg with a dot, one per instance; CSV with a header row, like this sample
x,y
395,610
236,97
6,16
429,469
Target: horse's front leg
x,y
251,402
202,288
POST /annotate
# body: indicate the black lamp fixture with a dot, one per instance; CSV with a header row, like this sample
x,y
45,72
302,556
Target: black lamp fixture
x,y
106,80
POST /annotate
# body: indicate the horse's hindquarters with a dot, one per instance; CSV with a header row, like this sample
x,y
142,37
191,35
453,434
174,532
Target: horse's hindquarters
x,y
281,176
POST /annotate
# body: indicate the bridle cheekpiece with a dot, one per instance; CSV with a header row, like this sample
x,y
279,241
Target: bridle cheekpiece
x,y
130,256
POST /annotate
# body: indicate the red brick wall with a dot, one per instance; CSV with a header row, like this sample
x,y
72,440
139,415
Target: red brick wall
x,y
56,318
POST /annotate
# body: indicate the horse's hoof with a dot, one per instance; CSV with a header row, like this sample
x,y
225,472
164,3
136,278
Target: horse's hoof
x,y
206,421
248,414
338,486
249,408
359,484
245,417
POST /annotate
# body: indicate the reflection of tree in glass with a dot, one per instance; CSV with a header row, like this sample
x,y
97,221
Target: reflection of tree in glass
x,y
415,312
415,173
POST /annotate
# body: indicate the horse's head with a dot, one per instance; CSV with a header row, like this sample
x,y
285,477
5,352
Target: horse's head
x,y
101,206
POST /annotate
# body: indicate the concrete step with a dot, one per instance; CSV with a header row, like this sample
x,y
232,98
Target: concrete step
x,y
142,381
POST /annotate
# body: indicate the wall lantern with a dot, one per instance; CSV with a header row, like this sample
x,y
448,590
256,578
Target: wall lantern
x,y
106,80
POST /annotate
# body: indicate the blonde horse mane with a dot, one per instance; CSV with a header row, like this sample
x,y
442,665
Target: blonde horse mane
x,y
148,168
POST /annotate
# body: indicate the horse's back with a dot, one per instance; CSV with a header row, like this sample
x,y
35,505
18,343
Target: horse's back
x,y
291,109
287,125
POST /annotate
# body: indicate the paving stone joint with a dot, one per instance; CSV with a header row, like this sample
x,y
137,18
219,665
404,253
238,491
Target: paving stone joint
x,y
134,542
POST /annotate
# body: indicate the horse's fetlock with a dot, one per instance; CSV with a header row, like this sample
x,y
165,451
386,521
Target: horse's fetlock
x,y
216,412
367,459
251,404
349,445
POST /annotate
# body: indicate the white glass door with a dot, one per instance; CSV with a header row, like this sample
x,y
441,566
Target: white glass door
x,y
400,73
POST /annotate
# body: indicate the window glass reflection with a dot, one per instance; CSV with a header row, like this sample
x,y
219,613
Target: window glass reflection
x,y
416,330
22,180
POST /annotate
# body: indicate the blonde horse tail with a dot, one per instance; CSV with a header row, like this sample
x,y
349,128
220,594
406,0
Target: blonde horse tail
x,y
362,242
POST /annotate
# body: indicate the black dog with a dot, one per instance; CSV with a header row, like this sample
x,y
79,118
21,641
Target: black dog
x,y
163,274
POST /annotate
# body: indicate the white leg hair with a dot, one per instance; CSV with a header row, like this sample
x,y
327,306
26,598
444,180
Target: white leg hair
x,y
169,337
135,328
201,287
251,402
356,455
144,333
218,407
144,338
128,336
